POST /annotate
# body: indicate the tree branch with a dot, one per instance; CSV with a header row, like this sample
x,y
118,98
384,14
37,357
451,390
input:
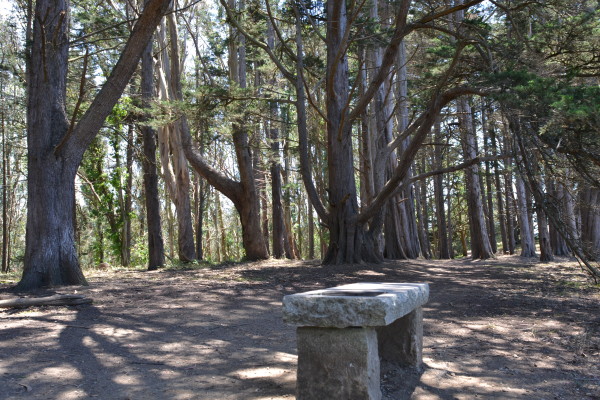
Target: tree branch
x,y
388,59
455,168
229,187
437,102
305,165
286,73
93,119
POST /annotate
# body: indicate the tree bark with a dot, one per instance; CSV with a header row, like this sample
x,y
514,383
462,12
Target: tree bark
x,y
556,193
438,193
423,215
570,215
174,163
480,243
544,236
450,228
303,145
279,231
527,244
156,248
404,204
311,231
388,241
243,194
5,232
55,150
125,200
50,255
590,221
530,210
345,234
264,207
499,199
511,208
199,207
488,180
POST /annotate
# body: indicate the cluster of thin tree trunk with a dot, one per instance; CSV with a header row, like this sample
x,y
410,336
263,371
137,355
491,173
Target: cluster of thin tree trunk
x,y
316,129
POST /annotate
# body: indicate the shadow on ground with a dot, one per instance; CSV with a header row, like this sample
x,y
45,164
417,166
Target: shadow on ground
x,y
494,330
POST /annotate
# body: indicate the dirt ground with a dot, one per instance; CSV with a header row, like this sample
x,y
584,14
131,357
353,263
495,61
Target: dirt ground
x,y
499,329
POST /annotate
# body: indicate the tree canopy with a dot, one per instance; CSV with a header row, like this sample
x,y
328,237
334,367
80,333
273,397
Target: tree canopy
x,y
341,130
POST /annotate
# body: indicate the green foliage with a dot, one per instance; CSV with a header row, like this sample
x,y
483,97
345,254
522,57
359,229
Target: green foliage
x,y
574,125
139,254
102,188
567,115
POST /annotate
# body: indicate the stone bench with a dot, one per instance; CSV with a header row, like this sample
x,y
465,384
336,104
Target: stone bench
x,y
344,331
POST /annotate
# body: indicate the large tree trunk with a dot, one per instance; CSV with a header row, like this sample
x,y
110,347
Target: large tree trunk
x,y
54,149
511,209
488,181
388,241
50,255
544,236
480,243
527,244
438,192
499,198
279,231
124,198
243,194
5,232
311,230
156,248
344,235
556,192
423,215
590,221
173,160
570,215
403,205
248,206
349,242
199,203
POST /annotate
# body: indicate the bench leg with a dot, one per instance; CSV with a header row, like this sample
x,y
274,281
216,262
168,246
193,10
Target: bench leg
x,y
402,340
337,364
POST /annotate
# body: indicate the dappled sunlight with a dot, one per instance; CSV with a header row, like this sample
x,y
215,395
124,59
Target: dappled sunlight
x,y
225,339
263,372
367,273
62,372
126,379
468,387
89,342
114,333
73,394
285,357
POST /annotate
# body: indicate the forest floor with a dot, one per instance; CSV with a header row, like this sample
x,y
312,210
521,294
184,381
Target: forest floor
x,y
499,329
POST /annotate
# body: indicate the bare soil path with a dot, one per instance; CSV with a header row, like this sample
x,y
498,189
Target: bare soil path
x,y
500,329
